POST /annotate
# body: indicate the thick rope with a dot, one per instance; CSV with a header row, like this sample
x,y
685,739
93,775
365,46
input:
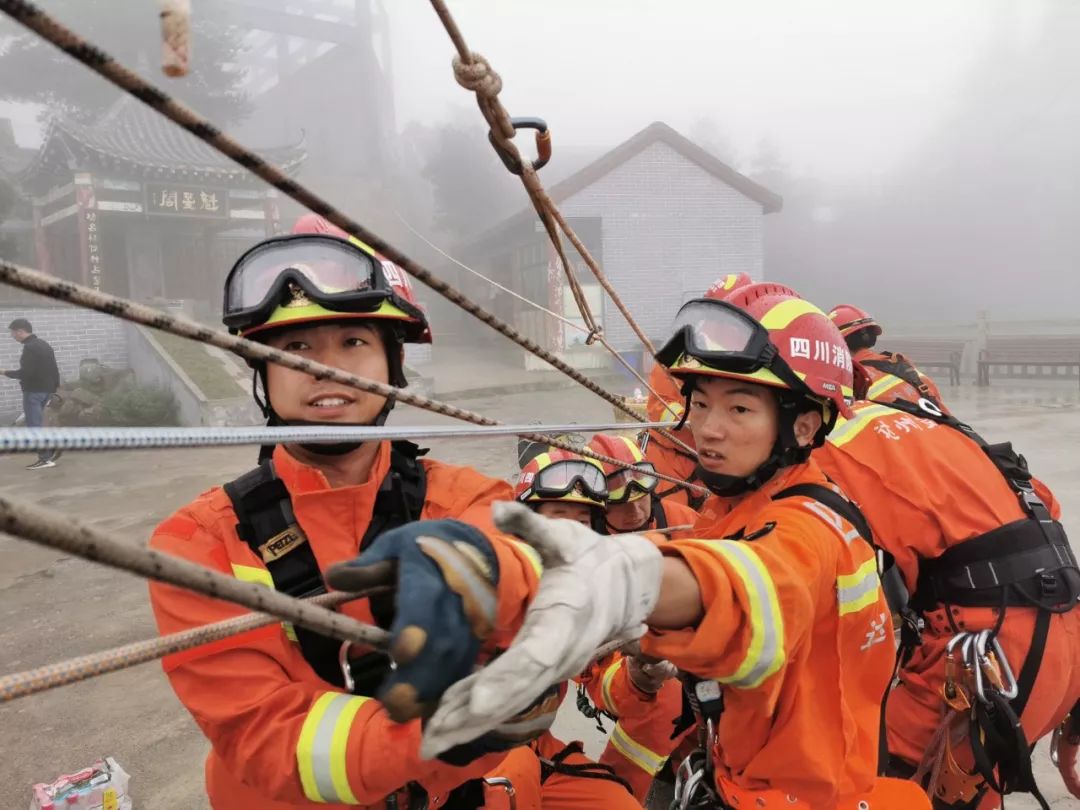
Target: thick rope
x,y
35,281
72,670
25,440
67,535
105,66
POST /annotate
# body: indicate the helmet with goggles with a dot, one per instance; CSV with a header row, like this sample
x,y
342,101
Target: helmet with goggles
x,y
623,484
559,475
768,335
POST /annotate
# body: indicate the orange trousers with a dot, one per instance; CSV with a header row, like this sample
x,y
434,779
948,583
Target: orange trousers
x,y
915,705
559,791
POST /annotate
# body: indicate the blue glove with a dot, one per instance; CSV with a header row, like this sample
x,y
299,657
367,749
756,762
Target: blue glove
x,y
446,575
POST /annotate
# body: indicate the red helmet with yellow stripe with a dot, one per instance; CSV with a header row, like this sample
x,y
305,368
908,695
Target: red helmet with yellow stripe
x,y
767,334
624,485
331,282
726,285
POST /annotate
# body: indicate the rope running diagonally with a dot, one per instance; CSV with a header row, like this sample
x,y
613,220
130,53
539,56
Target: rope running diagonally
x,y
50,29
36,281
65,534
473,72
72,670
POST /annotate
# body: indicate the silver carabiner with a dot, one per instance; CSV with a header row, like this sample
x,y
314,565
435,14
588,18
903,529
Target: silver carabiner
x,y
1012,687
346,669
1055,744
690,789
506,785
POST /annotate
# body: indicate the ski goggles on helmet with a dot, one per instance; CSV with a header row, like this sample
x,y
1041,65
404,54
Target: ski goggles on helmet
x,y
563,480
626,485
328,271
721,336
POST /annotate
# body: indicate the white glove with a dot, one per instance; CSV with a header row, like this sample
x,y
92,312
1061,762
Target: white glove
x,y
594,589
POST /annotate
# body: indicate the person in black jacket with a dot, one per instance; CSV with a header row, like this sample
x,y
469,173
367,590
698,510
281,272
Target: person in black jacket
x,y
39,378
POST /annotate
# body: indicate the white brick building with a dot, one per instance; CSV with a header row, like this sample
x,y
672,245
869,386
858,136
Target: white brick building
x,y
662,216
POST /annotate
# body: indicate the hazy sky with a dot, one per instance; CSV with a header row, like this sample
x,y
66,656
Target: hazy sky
x,y
844,87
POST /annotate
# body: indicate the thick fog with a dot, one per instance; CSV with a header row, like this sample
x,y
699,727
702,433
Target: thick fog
x,y
926,153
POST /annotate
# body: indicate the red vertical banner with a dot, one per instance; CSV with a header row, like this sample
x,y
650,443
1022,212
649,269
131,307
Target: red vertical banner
x,y
41,243
89,231
272,212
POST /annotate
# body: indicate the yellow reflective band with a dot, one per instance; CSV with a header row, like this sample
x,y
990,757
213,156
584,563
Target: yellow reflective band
x,y
647,760
765,654
249,573
605,686
848,429
312,312
885,384
781,316
321,749
260,576
859,590
532,555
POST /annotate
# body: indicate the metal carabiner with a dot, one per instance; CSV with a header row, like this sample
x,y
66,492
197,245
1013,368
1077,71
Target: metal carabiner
x,y
543,145
506,785
1012,688
690,789
346,668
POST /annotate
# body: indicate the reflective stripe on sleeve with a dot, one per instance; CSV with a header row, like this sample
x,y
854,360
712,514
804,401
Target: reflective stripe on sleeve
x,y
532,555
765,654
605,685
320,751
883,386
859,590
647,760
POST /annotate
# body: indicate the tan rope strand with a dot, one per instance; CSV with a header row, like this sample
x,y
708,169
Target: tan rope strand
x,y
35,281
68,535
73,670
474,73
104,65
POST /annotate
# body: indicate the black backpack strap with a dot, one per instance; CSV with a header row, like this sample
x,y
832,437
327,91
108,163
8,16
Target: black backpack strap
x,y
899,366
267,524
659,515
835,501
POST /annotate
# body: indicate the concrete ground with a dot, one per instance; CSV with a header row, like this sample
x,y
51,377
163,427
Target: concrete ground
x,y
56,607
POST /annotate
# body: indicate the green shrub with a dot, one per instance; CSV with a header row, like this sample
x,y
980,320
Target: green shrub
x,y
133,404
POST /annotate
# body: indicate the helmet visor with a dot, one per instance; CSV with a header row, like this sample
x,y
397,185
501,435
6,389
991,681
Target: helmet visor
x,y
330,271
719,335
624,484
563,477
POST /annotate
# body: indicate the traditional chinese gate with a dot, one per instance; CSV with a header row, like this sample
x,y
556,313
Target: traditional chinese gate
x,y
132,207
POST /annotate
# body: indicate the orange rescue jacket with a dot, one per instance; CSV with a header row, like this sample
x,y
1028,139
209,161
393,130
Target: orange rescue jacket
x,y
885,387
280,736
796,631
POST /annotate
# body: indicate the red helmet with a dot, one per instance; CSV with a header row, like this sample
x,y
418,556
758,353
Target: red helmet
x,y
559,475
623,484
726,285
765,333
850,320
398,278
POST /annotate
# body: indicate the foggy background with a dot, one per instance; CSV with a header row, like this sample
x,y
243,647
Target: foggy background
x,y
927,153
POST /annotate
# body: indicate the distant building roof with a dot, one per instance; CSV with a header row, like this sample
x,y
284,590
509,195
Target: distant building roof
x,y
656,131
133,139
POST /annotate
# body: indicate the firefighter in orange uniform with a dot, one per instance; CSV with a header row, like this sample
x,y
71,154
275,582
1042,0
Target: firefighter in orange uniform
x,y
776,609
889,375
971,531
288,727
668,458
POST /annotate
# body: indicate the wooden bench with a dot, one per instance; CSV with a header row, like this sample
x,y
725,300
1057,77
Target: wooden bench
x,y
926,353
1047,357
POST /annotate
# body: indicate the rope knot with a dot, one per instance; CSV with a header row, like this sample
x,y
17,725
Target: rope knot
x,y
477,75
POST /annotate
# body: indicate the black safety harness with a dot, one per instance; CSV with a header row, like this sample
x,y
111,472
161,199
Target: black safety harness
x,y
899,366
1025,563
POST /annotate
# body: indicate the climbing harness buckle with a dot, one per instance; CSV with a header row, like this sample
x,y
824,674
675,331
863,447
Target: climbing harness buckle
x,y
543,145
